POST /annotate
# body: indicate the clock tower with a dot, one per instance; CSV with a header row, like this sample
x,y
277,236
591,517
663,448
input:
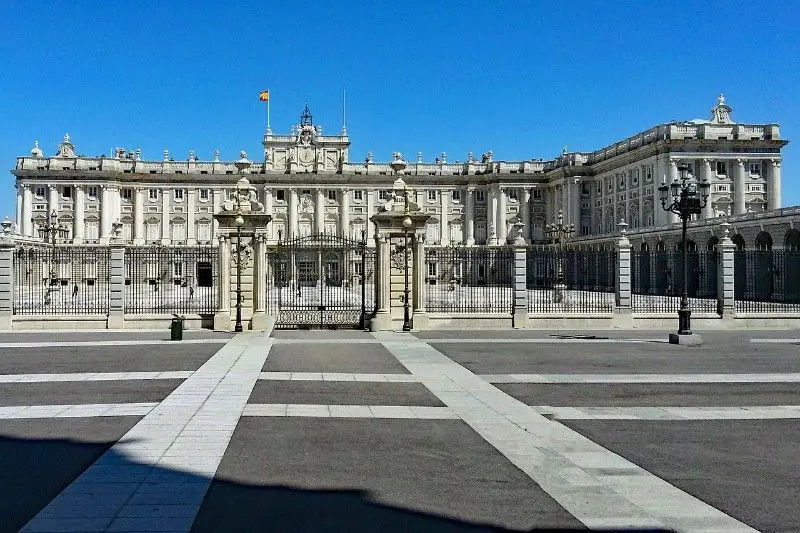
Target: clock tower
x,y
306,149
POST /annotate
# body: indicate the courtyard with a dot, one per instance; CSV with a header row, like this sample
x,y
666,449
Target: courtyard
x,y
434,431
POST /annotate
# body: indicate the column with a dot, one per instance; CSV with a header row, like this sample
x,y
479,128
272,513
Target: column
x,y
18,220
80,211
319,212
293,230
191,230
344,215
565,210
165,236
491,217
52,202
576,205
502,216
105,214
672,218
470,217
216,202
138,215
774,185
525,210
370,211
444,219
739,206
27,210
708,210
269,201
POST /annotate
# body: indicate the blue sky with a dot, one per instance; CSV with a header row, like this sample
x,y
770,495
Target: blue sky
x,y
523,79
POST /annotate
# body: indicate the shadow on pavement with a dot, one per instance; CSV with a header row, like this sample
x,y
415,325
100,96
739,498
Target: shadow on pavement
x,y
35,471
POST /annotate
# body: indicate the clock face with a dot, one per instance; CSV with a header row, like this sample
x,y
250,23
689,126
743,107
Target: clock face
x,y
305,155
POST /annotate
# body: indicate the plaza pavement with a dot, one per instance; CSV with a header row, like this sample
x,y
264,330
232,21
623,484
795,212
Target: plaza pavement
x,y
433,431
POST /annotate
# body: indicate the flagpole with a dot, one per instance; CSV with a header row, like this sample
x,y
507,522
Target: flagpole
x,y
269,129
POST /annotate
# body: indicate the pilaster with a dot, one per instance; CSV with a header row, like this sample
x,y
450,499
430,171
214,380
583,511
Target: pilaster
x,y
293,229
708,209
191,228
27,210
319,212
774,185
52,201
79,214
502,215
470,217
444,227
344,215
165,226
491,216
739,193
525,214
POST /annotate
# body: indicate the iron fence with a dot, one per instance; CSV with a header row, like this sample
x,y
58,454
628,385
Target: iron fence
x,y
469,279
657,281
179,280
70,280
570,281
767,281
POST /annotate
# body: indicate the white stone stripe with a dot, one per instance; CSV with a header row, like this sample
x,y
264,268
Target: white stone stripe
x,y
75,411
775,341
349,411
597,486
168,458
543,340
58,344
643,378
753,412
94,376
337,376
332,340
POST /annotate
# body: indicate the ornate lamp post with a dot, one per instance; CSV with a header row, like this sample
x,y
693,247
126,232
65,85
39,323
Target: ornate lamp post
x,y
557,232
50,232
242,164
684,198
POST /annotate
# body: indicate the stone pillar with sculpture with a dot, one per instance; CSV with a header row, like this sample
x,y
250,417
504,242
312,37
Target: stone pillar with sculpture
x,y
400,262
242,255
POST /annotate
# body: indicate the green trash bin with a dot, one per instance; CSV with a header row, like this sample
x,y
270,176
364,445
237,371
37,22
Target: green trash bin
x,y
176,328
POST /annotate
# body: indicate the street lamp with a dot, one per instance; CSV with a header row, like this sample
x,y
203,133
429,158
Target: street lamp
x,y
241,164
557,232
685,199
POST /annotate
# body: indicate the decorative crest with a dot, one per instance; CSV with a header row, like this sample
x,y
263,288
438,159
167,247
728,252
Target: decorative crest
x,y
721,113
66,148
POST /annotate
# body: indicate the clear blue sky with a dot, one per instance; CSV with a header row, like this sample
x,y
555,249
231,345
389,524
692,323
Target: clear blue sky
x,y
520,78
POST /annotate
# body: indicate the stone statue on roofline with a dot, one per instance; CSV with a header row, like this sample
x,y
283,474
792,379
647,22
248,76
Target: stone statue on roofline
x,y
245,200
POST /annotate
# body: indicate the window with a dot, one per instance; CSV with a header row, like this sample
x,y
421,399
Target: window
x,y
585,189
127,194
755,168
66,192
178,231
203,195
153,231
280,195
599,187
512,194
152,194
432,196
332,196
383,195
92,193
39,192
755,188
480,196
92,231
432,269
204,232
722,168
177,269
456,196
178,195
358,196
537,194
305,191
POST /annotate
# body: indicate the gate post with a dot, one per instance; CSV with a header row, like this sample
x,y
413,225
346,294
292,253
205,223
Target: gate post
x,y
382,320
519,317
222,318
116,304
259,321
6,277
623,316
420,315
726,306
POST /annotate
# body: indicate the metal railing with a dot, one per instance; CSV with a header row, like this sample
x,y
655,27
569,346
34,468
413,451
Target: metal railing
x,y
180,280
570,281
657,281
767,281
476,279
61,280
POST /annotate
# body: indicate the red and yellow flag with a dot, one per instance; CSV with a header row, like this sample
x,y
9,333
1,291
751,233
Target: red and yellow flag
x,y
264,96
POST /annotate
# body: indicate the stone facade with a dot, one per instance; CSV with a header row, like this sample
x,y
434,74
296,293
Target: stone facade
x,y
308,185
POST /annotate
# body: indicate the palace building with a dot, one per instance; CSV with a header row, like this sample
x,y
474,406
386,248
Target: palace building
x,y
308,183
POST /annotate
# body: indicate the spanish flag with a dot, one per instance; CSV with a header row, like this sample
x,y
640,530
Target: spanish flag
x,y
264,96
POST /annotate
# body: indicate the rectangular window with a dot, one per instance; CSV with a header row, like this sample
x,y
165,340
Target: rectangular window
x,y
332,196
722,168
203,195
537,194
456,196
92,193
40,192
383,195
92,231
127,194
431,196
152,194
755,168
66,192
358,196
512,194
178,195
280,195
432,269
305,191
204,232
177,269
480,196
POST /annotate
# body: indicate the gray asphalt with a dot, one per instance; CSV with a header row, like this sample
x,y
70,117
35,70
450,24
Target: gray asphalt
x,y
129,358
316,334
343,393
369,475
83,392
340,357
70,336
39,458
654,394
747,468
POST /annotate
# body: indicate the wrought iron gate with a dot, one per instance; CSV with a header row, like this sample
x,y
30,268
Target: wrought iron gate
x,y
321,281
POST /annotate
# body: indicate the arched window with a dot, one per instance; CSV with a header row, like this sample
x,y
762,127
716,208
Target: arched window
x,y
738,240
764,241
791,241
